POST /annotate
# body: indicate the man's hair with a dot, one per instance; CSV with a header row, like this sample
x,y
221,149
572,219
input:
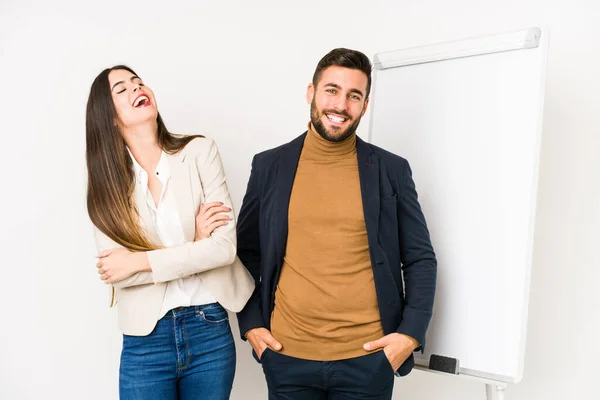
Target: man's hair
x,y
346,58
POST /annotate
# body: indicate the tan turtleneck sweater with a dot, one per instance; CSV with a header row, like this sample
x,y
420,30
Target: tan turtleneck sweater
x,y
325,302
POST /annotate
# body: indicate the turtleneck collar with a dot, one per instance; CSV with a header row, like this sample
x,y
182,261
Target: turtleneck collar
x,y
317,146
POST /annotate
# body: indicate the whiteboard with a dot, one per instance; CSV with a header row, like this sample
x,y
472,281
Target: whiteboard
x,y
467,116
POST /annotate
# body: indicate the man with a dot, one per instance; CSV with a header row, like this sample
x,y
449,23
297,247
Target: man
x,y
328,226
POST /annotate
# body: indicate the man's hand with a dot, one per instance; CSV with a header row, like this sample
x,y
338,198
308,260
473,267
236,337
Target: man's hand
x,y
114,265
396,346
260,339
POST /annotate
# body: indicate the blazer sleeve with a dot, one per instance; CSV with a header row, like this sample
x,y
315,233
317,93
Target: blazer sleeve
x,y
103,242
419,264
216,251
248,233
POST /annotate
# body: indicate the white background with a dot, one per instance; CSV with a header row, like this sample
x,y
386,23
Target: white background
x,y
237,71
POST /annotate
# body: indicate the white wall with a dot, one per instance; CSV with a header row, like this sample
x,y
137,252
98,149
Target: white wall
x,y
237,71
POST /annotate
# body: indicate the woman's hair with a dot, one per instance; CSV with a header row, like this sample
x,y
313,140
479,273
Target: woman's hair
x,y
111,176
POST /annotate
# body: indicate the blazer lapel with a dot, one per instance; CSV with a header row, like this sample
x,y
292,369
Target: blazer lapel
x,y
181,186
287,166
368,171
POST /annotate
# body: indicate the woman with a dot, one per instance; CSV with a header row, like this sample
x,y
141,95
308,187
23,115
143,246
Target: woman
x,y
165,232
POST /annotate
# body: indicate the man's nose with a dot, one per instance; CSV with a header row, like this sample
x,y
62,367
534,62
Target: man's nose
x,y
339,103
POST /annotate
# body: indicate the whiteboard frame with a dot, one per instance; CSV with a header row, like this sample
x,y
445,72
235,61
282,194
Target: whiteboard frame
x,y
530,38
516,40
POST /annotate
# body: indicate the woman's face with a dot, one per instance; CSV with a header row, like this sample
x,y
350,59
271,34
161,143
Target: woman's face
x,y
134,102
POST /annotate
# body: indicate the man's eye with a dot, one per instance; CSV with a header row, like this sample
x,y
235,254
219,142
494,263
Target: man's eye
x,y
332,91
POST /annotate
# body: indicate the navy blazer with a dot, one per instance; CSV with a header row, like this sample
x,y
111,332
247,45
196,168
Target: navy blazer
x,y
398,237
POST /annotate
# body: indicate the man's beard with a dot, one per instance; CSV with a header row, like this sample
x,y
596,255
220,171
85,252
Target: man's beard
x,y
321,130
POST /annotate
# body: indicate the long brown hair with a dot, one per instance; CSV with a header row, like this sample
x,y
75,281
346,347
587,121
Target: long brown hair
x,y
111,176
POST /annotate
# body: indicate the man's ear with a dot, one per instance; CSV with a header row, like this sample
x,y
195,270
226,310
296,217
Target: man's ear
x,y
365,108
310,93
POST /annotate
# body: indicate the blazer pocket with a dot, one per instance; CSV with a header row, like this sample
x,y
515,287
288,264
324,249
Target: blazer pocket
x,y
389,199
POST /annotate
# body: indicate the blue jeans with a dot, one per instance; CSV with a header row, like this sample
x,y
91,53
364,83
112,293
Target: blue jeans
x,y
190,354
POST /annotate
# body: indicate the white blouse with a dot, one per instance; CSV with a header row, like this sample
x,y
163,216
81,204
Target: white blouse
x,y
187,291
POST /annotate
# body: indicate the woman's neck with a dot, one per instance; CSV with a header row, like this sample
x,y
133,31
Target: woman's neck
x,y
143,144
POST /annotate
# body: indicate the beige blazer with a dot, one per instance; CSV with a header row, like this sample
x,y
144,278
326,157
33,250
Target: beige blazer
x,y
197,176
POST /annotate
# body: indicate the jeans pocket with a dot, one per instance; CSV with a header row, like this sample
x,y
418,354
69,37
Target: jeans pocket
x,y
214,314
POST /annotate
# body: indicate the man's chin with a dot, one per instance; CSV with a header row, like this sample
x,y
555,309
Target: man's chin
x,y
331,133
338,136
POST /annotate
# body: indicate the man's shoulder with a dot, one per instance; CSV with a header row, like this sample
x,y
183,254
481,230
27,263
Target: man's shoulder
x,y
387,157
271,155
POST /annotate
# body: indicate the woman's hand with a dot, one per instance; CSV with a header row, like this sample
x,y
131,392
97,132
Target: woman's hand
x,y
114,265
210,217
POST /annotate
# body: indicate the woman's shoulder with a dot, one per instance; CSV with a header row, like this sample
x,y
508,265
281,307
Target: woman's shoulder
x,y
198,145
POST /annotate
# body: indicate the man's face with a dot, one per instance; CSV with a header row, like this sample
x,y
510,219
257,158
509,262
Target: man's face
x,y
338,102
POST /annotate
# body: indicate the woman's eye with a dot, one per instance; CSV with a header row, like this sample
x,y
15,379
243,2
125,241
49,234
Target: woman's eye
x,y
121,91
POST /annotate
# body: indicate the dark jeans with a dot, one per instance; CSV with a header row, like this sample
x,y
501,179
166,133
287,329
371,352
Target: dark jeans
x,y
190,354
366,377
